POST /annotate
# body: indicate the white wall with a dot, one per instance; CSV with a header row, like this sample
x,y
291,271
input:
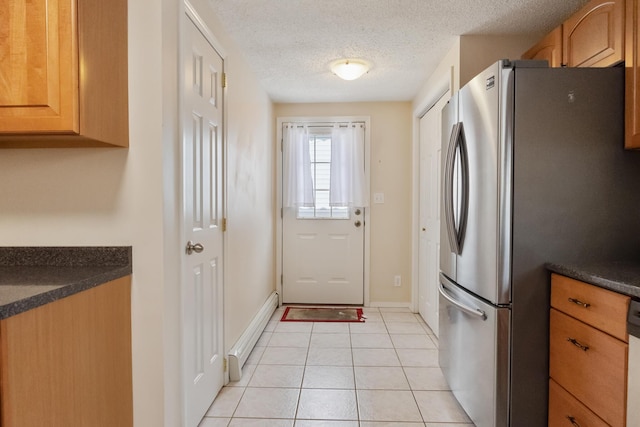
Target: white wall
x,y
113,197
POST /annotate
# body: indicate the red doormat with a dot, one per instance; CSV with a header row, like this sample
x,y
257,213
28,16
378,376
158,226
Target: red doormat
x,y
322,314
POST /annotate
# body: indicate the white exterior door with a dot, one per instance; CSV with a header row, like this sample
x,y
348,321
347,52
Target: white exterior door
x,y
202,174
429,251
322,247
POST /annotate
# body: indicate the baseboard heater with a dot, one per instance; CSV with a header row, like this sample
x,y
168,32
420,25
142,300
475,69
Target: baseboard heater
x,y
242,348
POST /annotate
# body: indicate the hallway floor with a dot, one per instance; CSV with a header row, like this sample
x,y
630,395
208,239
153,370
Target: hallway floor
x,y
383,372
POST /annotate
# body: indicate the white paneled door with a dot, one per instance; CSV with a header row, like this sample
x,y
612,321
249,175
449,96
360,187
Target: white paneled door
x,y
429,250
203,189
322,246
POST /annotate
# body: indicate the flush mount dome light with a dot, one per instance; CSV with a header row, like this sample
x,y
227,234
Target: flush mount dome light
x,y
349,69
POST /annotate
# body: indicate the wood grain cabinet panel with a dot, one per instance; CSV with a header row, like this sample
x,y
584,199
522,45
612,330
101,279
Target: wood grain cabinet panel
x,y
64,73
594,36
549,49
588,355
564,409
632,75
590,365
68,363
601,308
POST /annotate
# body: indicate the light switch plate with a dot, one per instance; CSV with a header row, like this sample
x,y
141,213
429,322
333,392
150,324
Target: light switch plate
x,y
378,197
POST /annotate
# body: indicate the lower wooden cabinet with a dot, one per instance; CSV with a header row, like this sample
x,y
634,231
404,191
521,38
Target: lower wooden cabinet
x,y
566,410
588,356
68,363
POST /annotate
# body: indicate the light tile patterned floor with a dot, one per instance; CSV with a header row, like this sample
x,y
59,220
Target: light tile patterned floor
x,y
381,373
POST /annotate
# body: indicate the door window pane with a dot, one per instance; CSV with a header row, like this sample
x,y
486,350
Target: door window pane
x,y
320,152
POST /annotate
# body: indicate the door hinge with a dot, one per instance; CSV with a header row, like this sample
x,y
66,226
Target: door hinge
x,y
281,145
224,80
282,279
281,213
224,224
224,364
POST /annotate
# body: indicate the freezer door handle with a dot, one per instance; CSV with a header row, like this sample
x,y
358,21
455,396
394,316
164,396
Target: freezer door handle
x,y
469,310
456,188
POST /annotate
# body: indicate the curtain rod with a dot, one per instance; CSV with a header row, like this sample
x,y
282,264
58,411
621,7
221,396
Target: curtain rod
x,y
323,125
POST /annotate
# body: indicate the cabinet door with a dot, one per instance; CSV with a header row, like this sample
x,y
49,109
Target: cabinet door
x,y
590,365
632,84
594,36
38,66
549,49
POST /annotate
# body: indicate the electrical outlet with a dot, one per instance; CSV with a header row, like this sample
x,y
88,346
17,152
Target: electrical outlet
x,y
397,280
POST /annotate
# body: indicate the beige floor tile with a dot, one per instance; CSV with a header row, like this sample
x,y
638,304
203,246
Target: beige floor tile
x,y
290,339
248,422
327,405
389,424
268,403
380,378
387,405
325,423
368,328
331,327
226,402
399,317
372,316
394,310
405,328
214,422
440,406
412,341
284,356
330,357
294,327
330,340
371,341
426,378
375,357
334,377
418,357
284,376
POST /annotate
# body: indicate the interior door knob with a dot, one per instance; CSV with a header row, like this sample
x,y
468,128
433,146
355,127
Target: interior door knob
x,y
357,223
194,247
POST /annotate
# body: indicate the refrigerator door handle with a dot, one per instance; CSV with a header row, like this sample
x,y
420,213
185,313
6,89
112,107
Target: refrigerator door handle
x,y
469,310
456,179
448,189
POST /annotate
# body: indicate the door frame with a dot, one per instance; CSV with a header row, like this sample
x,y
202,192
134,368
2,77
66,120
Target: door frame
x,y
189,12
437,90
367,211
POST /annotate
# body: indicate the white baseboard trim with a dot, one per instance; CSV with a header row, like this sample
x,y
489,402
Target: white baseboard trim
x,y
242,348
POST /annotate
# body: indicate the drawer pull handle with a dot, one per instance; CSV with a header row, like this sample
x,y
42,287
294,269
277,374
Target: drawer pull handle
x,y
577,344
580,303
573,421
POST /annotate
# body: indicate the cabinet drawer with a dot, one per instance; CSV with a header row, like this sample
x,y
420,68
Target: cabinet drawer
x,y
601,308
596,373
564,410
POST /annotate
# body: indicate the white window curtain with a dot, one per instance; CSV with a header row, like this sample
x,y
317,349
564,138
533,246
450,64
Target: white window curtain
x,y
297,182
348,184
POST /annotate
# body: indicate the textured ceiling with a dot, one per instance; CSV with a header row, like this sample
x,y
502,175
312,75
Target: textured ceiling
x,y
289,44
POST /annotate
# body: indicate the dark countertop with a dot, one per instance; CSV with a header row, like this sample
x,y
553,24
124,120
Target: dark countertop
x,y
34,276
621,277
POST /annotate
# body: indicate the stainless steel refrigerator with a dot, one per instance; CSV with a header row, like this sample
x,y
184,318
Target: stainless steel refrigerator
x,y
534,171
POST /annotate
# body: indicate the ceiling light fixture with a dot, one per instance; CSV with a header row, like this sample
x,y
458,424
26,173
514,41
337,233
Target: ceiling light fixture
x,y
349,69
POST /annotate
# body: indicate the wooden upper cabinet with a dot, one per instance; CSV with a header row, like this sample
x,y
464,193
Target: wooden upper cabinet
x,y
63,73
549,49
632,75
594,36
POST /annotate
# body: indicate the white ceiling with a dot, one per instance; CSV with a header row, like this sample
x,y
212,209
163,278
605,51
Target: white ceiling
x,y
289,44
